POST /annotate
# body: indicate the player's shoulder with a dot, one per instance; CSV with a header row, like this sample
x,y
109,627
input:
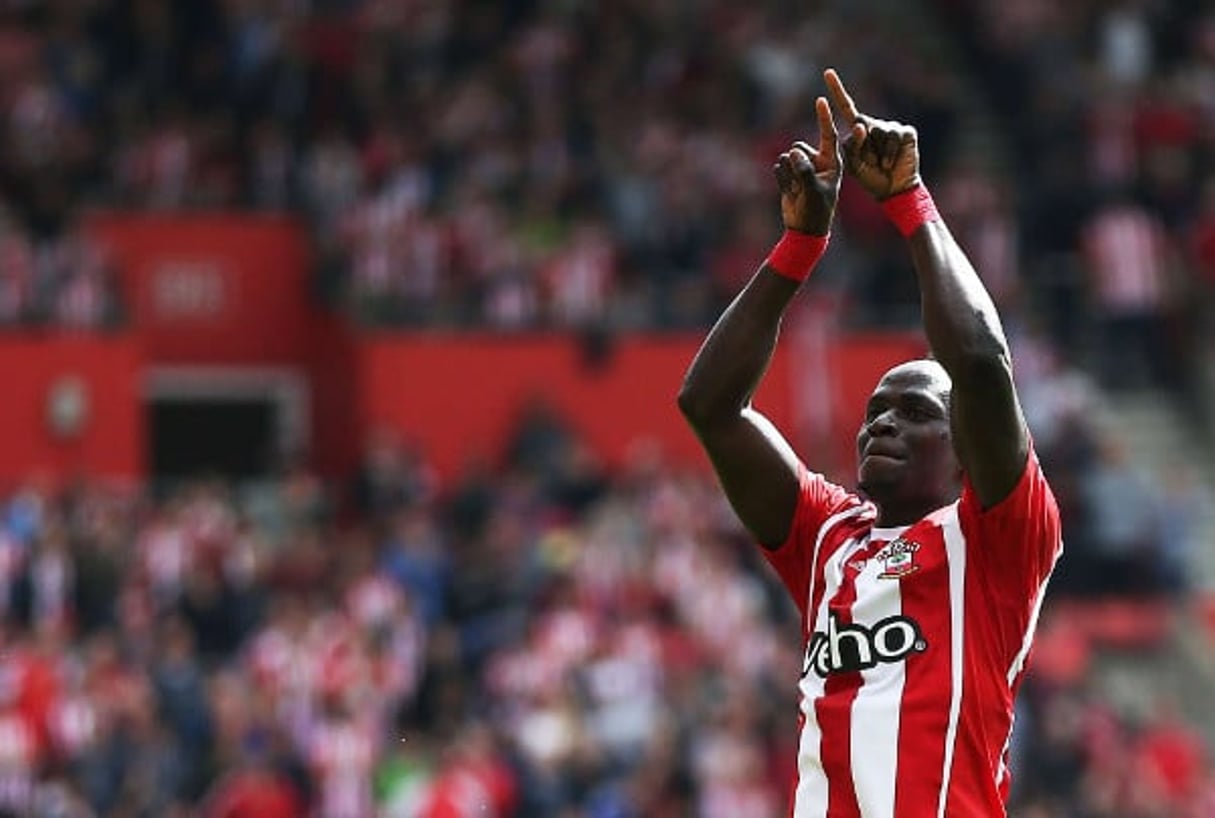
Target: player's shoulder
x,y
1030,497
856,516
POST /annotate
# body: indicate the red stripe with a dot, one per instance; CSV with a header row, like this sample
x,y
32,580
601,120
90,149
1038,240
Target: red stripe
x,y
834,708
974,788
838,537
924,710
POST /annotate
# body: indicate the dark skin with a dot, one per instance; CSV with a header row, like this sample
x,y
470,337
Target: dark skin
x,y
928,421
906,427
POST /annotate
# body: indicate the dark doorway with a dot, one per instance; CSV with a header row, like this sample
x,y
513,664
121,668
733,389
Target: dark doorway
x,y
232,438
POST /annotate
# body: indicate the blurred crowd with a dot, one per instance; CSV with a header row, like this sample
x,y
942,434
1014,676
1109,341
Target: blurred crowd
x,y
1106,111
546,637
541,637
527,163
504,164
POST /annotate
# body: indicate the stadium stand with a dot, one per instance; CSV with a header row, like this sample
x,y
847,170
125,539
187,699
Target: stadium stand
x,y
548,636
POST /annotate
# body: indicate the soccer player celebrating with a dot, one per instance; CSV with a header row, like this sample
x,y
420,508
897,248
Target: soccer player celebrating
x,y
918,593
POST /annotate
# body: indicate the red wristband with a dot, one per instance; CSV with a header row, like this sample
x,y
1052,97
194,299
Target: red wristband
x,y
910,209
795,255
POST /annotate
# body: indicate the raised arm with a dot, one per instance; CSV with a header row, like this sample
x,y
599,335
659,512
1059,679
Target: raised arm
x,y
960,319
756,466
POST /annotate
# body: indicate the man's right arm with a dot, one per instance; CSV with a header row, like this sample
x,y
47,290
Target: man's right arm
x,y
756,466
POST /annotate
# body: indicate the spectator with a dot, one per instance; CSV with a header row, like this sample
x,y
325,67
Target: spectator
x,y
253,792
1125,522
1129,259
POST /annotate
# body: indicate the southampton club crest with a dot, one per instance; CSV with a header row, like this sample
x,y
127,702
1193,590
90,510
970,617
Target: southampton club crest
x,y
898,559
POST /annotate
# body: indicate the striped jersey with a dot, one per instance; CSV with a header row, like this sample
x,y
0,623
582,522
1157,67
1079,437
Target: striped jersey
x,y
915,642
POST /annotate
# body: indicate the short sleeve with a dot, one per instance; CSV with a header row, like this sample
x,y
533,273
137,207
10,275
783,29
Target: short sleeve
x,y
1020,537
818,499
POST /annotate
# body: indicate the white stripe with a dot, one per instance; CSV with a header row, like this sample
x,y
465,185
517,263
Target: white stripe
x,y
1002,770
876,709
811,797
830,523
1018,662
1027,641
955,552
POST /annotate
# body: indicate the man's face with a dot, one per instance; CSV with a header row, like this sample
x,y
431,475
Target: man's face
x,y
905,450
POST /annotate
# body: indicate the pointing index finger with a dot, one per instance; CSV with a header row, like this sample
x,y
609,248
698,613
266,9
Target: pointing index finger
x,y
840,98
826,127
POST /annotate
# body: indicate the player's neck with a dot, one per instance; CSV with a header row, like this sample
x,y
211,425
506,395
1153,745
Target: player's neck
x,y
900,514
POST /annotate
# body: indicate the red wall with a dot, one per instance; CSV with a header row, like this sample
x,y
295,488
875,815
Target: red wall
x,y
460,395
212,288
333,376
111,441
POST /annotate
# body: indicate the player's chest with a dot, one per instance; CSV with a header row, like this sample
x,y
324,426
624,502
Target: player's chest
x,y
869,577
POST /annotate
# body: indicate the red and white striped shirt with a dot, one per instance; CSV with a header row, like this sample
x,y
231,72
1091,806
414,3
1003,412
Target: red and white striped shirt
x,y
916,638
1127,252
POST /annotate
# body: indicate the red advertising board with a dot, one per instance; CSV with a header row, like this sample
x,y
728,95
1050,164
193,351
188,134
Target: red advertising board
x,y
212,288
71,405
460,396
74,402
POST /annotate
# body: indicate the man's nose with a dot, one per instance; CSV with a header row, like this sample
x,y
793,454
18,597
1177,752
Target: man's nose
x,y
883,424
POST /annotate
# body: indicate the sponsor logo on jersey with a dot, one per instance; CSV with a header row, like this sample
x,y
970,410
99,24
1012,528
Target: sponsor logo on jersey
x,y
898,559
849,648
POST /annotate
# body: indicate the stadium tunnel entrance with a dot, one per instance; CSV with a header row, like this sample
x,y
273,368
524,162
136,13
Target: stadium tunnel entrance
x,y
236,423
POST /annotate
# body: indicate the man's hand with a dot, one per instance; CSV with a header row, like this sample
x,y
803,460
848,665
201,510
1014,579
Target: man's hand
x,y
809,178
881,155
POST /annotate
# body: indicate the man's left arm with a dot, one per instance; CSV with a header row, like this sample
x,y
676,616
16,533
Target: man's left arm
x,y
964,331
960,319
